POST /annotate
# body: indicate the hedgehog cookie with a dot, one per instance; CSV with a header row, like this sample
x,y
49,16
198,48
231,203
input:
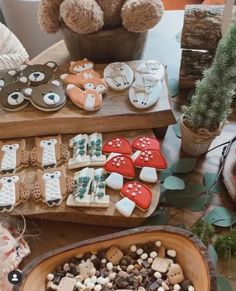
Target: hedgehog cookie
x,y
52,186
13,191
11,96
13,156
49,152
39,74
7,77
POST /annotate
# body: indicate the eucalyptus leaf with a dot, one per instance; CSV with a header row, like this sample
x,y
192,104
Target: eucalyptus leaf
x,y
184,166
176,128
174,183
200,203
223,284
161,216
164,174
213,254
209,179
221,216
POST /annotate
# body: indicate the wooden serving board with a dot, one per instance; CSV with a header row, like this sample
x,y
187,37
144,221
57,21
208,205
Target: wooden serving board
x,y
116,114
98,216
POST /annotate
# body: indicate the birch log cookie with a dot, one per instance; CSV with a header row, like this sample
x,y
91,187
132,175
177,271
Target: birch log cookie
x,y
7,77
98,190
52,186
13,156
11,96
80,158
13,191
49,152
95,150
119,76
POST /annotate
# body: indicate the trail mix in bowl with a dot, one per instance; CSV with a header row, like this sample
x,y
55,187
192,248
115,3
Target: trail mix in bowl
x,y
146,267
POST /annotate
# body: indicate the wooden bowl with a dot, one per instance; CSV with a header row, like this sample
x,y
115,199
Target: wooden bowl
x,y
191,254
105,46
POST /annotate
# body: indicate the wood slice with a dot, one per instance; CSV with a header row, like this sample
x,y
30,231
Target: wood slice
x,y
116,114
108,216
229,172
193,257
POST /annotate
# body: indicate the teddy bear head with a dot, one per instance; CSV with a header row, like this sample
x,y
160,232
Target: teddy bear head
x,y
7,77
11,96
47,97
39,74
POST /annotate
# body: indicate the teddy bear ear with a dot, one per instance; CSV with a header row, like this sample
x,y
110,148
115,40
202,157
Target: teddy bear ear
x,y
23,79
27,91
22,67
56,83
12,73
51,65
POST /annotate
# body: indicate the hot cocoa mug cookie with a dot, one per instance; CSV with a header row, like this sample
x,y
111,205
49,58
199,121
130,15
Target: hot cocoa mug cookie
x,y
52,186
13,191
11,96
13,156
49,152
47,97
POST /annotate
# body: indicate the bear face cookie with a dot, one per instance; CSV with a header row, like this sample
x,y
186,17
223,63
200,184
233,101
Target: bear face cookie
x,y
11,96
49,152
52,186
13,156
48,97
119,76
13,191
7,77
39,74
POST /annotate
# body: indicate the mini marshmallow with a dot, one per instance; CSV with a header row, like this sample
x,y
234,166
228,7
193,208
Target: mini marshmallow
x,y
50,277
153,255
177,287
157,275
133,248
139,251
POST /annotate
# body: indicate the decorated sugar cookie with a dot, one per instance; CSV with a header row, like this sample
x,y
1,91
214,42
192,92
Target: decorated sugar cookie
x,y
80,157
136,194
149,161
150,67
7,77
11,96
13,191
145,143
95,150
13,156
119,76
97,84
79,66
118,145
98,190
120,167
47,97
49,152
52,186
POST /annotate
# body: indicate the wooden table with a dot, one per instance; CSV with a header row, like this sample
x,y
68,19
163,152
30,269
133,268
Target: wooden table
x,y
162,44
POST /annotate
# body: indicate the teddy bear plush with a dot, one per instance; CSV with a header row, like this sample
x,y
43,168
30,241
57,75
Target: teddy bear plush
x,y
88,16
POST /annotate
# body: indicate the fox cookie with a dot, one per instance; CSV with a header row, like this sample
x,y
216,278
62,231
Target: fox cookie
x,y
13,156
13,191
47,97
52,186
7,77
39,74
11,96
49,152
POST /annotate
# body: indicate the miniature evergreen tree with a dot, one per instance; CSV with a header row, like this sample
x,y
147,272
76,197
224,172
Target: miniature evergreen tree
x,y
210,105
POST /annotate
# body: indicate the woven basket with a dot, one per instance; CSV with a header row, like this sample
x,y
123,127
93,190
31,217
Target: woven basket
x,y
196,143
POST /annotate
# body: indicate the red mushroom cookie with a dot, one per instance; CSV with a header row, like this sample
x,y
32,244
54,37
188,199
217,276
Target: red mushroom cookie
x,y
149,161
146,143
119,166
135,194
117,145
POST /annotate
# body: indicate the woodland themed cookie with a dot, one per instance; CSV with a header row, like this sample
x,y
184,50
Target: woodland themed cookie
x,y
145,143
80,157
13,191
97,84
47,97
95,150
119,76
13,156
52,186
117,145
7,77
49,152
39,74
120,166
11,96
136,194
152,67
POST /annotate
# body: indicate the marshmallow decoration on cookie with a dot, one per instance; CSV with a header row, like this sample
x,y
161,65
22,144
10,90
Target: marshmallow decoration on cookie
x,y
117,145
145,143
49,152
13,156
119,76
52,186
13,191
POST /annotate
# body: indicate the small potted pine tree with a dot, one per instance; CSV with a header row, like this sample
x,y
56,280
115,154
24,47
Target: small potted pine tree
x,y
203,119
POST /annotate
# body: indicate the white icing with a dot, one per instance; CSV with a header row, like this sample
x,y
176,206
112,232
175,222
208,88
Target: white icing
x,y
115,181
51,98
90,102
37,76
8,190
49,152
148,175
9,160
125,206
15,98
52,186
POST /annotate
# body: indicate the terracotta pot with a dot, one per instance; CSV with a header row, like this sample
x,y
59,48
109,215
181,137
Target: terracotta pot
x,y
196,143
105,46
191,254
